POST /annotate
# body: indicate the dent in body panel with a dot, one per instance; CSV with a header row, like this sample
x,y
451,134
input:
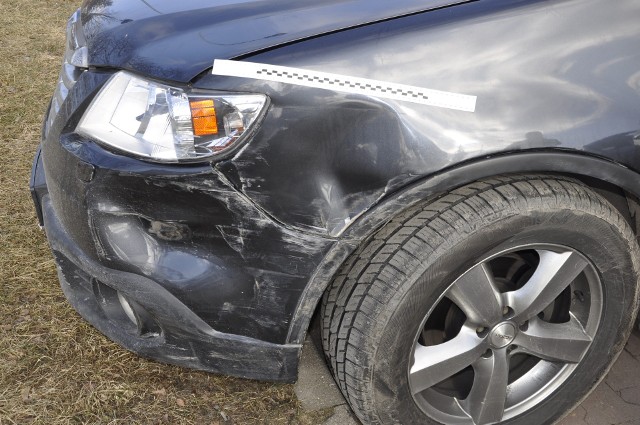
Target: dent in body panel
x,y
332,151
547,76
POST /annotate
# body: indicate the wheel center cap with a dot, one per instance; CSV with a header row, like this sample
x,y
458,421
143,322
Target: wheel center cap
x,y
502,335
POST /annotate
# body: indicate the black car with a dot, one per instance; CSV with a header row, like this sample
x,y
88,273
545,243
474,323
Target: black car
x,y
451,186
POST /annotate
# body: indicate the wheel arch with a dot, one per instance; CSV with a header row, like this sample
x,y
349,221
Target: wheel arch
x,y
619,184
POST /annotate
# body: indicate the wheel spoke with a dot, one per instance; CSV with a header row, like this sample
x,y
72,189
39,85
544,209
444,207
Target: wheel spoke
x,y
485,403
565,342
435,363
477,296
554,273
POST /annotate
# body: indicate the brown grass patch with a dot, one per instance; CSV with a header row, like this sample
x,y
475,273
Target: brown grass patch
x,y
55,368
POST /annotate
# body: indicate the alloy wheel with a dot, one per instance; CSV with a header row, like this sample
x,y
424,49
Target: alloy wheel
x,y
505,335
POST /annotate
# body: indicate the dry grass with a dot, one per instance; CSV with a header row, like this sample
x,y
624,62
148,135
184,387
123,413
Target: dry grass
x,y
54,368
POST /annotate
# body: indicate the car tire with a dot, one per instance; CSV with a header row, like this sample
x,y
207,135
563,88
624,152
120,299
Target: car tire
x,y
503,301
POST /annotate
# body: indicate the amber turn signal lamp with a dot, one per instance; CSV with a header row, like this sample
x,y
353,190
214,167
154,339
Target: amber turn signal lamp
x,y
203,115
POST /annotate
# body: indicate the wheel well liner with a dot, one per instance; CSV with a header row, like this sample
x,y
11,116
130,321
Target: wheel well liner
x,y
611,179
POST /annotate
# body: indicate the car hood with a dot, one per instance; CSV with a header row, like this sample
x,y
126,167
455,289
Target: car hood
x,y
177,40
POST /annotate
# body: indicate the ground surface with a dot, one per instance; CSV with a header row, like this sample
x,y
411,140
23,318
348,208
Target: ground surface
x,y
56,369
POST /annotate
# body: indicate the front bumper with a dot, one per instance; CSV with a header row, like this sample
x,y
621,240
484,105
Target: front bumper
x,y
166,330
171,262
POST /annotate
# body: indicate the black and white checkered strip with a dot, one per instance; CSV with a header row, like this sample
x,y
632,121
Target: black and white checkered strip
x,y
343,83
380,88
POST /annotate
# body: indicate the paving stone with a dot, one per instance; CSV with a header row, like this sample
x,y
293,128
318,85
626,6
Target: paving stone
x,y
632,395
633,345
623,374
631,422
605,407
342,416
576,417
316,388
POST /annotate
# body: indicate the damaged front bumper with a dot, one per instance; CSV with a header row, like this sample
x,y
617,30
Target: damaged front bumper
x,y
141,315
172,262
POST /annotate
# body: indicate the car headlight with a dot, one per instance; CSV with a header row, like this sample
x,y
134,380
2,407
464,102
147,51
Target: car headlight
x,y
163,123
76,52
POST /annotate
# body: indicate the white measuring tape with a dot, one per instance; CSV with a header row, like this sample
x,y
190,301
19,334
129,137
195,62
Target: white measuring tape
x,y
345,83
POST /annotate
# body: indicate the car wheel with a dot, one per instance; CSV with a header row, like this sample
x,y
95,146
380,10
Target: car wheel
x,y
504,301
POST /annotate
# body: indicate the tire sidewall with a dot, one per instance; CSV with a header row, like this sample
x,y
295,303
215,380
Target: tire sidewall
x,y
600,242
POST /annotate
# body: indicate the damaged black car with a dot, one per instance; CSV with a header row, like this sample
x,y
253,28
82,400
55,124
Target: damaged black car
x,y
450,187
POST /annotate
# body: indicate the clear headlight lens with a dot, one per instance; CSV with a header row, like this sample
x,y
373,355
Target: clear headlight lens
x,y
163,123
76,52
75,62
